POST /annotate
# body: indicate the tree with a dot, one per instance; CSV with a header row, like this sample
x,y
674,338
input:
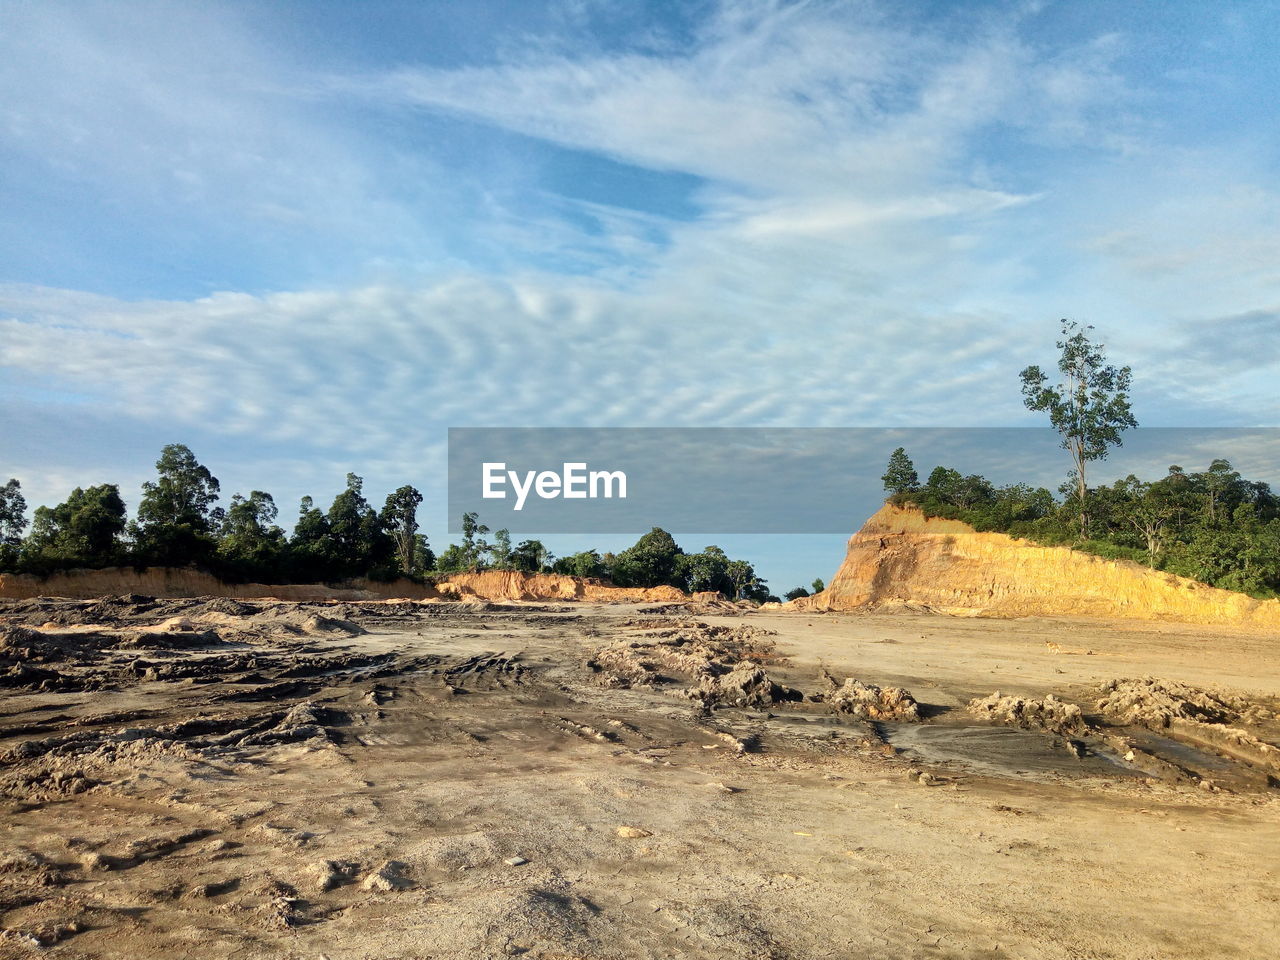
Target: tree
x,y
1224,489
400,520
588,563
901,476
500,549
249,542
818,585
795,593
705,571
745,582
13,521
359,545
474,546
83,531
176,516
651,561
309,557
530,556
1089,409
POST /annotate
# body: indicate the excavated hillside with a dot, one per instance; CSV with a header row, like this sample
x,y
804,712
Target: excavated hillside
x,y
901,557
497,585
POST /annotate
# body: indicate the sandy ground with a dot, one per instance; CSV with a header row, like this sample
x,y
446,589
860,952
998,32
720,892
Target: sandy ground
x,y
226,779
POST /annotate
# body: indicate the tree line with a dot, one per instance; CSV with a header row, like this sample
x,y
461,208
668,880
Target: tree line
x,y
179,523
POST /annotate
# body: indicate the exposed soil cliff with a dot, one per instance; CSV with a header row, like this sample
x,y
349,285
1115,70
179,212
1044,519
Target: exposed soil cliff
x,y
171,582
901,557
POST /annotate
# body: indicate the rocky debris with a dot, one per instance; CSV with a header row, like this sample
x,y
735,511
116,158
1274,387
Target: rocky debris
x,y
66,758
688,649
1051,714
328,874
388,877
866,701
1192,715
45,783
42,938
1154,703
632,833
746,685
280,905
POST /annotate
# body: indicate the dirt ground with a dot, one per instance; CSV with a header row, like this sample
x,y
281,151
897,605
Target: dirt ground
x,y
222,778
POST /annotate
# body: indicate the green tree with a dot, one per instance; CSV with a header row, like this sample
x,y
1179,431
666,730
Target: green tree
x,y
587,564
795,593
309,557
530,556
359,545
400,520
249,542
500,550
1224,490
13,521
176,516
818,585
650,562
1090,407
705,571
83,531
746,584
901,476
474,546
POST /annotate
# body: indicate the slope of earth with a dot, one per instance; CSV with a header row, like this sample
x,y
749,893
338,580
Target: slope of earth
x,y
220,778
900,557
190,582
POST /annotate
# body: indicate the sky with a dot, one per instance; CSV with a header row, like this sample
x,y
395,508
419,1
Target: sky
x,y
308,238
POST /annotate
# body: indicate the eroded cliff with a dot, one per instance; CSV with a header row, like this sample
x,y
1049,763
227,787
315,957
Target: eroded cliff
x,y
901,557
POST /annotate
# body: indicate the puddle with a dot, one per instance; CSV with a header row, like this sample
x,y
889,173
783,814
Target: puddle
x,y
998,751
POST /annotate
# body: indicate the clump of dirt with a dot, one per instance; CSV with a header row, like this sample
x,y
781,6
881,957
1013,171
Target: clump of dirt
x,y
1051,714
1155,703
866,701
746,685
687,650
1199,717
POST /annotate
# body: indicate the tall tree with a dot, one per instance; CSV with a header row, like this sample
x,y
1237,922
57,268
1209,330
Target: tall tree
x,y
357,541
13,521
474,546
649,562
531,556
901,476
177,517
1090,407
400,520
84,530
249,542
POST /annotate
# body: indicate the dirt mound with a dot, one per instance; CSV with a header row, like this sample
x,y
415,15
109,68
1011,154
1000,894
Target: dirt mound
x,y
1204,719
688,649
1156,703
746,685
1051,714
496,585
901,559
866,701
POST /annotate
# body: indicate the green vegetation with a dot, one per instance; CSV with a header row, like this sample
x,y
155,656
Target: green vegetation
x,y
1089,409
1216,526
179,523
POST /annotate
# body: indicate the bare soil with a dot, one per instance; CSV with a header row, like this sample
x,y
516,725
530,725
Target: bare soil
x,y
224,778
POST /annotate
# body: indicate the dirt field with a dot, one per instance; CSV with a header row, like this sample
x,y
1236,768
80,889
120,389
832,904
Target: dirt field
x,y
222,778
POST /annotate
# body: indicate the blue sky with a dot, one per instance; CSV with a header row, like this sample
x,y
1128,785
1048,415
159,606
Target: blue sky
x,y
308,238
